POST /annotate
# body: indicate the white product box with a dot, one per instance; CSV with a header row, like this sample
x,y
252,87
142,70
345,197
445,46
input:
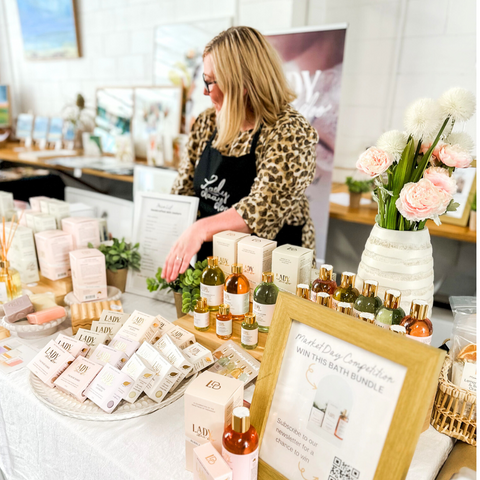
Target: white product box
x,y
164,326
6,203
181,337
44,204
225,248
59,210
73,346
140,373
43,222
291,265
22,254
29,216
209,403
110,316
125,345
89,274
111,329
53,248
209,464
35,203
140,327
83,231
104,354
255,254
92,339
199,356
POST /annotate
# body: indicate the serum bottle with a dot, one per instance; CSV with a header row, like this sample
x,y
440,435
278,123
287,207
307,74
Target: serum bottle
x,y
324,282
417,325
201,315
345,292
224,322
240,446
212,283
264,300
249,335
237,292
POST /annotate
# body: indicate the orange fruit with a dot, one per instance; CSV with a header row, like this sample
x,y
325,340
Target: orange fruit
x,y
468,353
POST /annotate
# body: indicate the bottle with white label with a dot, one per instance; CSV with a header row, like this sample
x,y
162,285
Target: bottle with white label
x,y
224,322
201,315
237,292
249,335
212,283
264,300
240,446
417,325
341,425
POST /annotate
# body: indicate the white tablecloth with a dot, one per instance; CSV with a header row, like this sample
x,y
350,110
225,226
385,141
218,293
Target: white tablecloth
x,y
39,444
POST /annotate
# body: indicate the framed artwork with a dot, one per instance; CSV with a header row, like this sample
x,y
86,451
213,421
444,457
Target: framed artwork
x,y
335,394
68,131
40,128
49,29
5,107
56,129
466,188
24,126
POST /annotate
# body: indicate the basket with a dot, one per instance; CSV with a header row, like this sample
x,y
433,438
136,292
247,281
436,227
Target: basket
x,y
455,409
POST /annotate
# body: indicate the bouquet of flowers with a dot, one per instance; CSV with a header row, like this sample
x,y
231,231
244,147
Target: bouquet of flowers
x,y
412,170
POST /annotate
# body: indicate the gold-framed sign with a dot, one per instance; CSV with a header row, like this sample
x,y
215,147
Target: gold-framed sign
x,y
339,398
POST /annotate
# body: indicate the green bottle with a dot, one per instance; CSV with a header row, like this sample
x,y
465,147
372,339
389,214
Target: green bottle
x,y
390,313
345,292
264,300
212,284
367,302
249,335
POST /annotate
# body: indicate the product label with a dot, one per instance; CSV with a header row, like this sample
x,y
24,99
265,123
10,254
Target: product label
x,y
201,320
313,296
239,303
244,467
224,328
249,337
213,294
355,312
424,340
264,313
383,325
469,377
334,303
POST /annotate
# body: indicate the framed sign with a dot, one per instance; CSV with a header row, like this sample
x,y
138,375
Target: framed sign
x,y
158,222
335,396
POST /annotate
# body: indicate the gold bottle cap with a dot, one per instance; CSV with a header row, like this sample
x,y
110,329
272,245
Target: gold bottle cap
x,y
202,303
370,288
323,298
344,307
419,309
241,419
399,329
303,291
392,298
348,279
250,318
326,272
237,268
224,309
366,317
212,261
267,277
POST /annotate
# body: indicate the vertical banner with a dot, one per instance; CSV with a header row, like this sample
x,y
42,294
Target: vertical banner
x,y
313,61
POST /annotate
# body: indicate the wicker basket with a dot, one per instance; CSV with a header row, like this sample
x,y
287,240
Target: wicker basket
x,y
455,409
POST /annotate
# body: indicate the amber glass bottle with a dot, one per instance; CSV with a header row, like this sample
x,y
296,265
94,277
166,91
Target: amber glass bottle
x,y
324,282
345,292
201,315
237,292
417,325
223,326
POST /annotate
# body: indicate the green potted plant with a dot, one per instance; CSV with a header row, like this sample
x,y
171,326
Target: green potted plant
x,y
473,214
356,188
186,288
119,257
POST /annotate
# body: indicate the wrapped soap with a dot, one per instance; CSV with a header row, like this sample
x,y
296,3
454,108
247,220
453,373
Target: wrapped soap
x,y
104,354
141,374
18,308
73,346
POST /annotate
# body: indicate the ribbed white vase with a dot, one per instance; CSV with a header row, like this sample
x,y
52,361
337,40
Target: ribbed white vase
x,y
399,260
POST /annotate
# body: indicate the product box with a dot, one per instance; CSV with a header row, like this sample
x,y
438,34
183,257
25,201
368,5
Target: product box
x,y
209,464
181,337
164,326
92,339
111,329
140,327
291,266
29,216
22,254
225,248
6,203
89,274
73,346
44,204
83,231
140,373
125,345
199,356
255,254
35,202
77,377
110,316
59,210
209,403
104,354
50,363
43,222
108,388
53,248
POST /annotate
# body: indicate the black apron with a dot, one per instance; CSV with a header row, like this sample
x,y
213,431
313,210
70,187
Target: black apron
x,y
221,181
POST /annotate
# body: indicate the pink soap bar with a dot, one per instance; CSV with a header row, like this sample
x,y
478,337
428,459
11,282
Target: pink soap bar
x,y
18,308
47,315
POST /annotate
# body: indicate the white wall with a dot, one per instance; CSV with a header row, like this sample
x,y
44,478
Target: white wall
x,y
396,51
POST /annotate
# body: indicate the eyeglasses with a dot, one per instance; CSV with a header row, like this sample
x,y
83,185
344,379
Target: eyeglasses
x,y
207,84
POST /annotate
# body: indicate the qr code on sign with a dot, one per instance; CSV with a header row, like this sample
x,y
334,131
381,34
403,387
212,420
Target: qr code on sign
x,y
341,471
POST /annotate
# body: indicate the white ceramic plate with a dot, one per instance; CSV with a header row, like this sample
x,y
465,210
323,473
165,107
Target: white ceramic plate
x,y
113,293
64,404
25,330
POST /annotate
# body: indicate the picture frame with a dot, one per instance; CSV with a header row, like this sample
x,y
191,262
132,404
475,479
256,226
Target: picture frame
x,y
40,128
55,132
24,126
276,395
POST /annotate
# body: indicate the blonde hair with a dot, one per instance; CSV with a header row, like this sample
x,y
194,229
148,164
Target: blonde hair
x,y
244,60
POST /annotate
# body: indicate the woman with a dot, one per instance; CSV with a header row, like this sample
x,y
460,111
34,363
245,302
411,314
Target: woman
x,y
250,157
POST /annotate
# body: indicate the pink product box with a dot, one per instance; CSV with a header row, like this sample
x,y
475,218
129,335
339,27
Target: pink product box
x,y
125,345
104,355
83,230
109,387
35,202
50,363
53,247
71,345
77,377
89,275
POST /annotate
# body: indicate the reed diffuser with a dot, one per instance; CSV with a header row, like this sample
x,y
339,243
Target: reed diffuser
x,y
10,282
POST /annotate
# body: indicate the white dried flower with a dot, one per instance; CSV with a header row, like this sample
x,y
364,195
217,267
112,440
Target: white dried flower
x,y
457,103
393,142
423,118
462,139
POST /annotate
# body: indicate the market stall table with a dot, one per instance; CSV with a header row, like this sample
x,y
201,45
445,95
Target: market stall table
x,y
37,443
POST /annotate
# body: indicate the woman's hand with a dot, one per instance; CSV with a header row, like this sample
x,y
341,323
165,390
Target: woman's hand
x,y
183,250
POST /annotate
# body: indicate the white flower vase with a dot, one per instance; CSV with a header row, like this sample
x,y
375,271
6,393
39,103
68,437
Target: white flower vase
x,y
399,260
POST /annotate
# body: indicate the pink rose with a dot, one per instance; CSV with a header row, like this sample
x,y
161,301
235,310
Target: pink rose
x,y
441,178
455,156
436,151
374,161
422,200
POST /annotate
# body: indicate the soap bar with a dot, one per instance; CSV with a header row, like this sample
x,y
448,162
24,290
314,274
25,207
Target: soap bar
x,y
42,301
47,315
18,308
